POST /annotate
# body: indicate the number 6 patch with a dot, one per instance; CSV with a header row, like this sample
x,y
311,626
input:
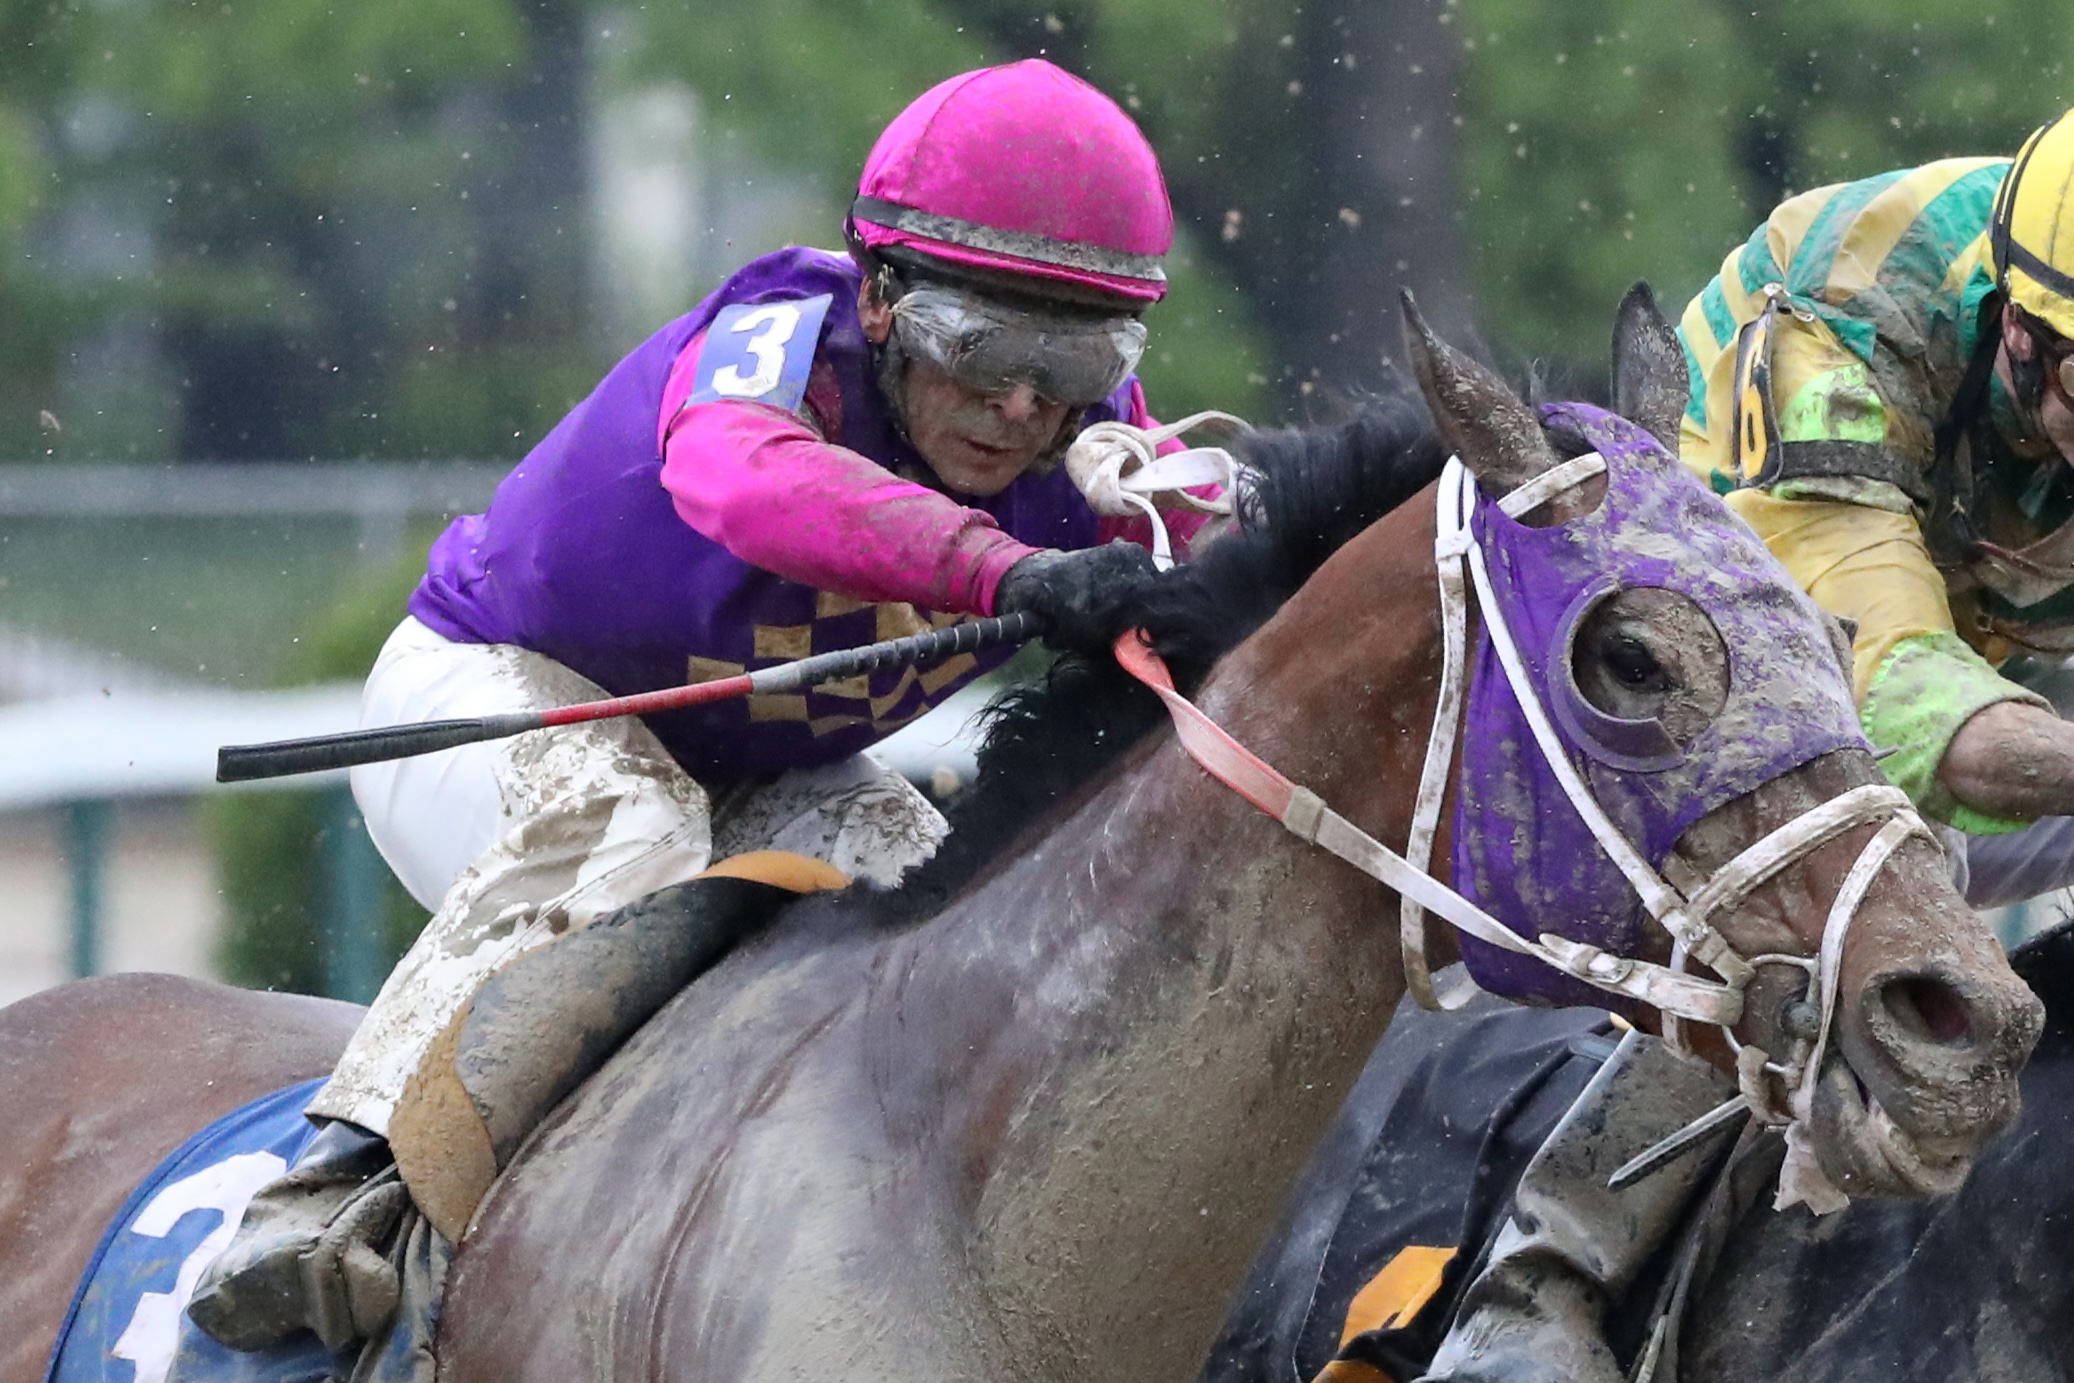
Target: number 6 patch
x,y
760,352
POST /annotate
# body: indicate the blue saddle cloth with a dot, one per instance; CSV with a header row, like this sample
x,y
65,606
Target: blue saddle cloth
x,y
129,1316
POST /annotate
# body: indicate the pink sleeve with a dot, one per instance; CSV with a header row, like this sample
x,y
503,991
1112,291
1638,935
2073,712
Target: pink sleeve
x,y
759,481
1182,524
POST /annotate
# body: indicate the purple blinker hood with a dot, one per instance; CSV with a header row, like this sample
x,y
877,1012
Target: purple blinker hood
x,y
1521,850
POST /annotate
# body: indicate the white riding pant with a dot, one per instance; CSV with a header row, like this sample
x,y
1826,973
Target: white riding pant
x,y
514,842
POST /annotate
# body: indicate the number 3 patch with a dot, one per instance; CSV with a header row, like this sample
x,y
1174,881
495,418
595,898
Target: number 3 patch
x,y
760,352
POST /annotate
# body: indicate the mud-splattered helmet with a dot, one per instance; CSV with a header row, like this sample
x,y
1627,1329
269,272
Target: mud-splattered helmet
x,y
1024,171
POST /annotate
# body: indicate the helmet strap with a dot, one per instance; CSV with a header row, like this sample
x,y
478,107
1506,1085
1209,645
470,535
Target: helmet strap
x,y
887,287
1048,460
889,361
2027,380
869,261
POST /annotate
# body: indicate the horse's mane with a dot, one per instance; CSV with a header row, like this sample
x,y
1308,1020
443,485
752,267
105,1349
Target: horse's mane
x,y
1315,490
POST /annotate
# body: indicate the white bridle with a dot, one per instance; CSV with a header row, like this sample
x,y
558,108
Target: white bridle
x,y
1684,912
1118,469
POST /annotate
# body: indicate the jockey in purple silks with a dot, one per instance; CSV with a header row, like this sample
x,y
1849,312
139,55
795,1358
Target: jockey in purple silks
x,y
831,449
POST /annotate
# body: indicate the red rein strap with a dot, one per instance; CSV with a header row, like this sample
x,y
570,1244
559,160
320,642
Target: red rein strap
x,y
1223,757
645,703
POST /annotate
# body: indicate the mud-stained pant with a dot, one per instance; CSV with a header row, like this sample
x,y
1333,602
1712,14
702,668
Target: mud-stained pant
x,y
516,842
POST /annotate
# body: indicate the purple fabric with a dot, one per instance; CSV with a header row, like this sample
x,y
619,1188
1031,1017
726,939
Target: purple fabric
x,y
1521,850
581,556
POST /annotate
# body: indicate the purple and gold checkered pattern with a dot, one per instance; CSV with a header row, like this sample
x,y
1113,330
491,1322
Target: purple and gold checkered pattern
x,y
885,701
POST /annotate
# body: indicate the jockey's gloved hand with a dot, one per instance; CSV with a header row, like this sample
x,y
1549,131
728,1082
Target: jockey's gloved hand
x,y
1084,595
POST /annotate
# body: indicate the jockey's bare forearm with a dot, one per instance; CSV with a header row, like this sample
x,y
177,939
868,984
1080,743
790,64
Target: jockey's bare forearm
x,y
2012,760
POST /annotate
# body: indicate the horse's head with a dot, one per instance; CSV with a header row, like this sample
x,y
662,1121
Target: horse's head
x,y
1703,703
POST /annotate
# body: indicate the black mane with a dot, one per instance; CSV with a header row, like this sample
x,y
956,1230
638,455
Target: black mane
x,y
1316,489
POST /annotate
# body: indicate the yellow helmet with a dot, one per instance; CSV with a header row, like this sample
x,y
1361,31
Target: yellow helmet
x,y
2032,233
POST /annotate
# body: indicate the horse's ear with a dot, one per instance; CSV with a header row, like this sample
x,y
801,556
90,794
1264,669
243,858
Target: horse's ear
x,y
1650,385
1498,438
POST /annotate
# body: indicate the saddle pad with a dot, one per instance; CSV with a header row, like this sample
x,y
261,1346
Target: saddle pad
x,y
129,1316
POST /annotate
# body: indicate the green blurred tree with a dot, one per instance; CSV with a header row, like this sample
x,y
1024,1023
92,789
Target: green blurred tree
x,y
1610,140
786,77
1308,146
344,230
359,230
30,312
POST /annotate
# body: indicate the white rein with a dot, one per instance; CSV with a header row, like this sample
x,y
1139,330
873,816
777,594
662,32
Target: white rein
x,y
1117,466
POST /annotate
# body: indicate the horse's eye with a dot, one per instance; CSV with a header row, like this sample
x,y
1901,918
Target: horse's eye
x,y
1634,665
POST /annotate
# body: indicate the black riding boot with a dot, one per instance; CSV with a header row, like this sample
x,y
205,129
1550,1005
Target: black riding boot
x,y
312,1251
1535,1312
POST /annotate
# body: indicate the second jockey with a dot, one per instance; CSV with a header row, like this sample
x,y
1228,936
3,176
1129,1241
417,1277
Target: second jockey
x,y
832,449
1881,388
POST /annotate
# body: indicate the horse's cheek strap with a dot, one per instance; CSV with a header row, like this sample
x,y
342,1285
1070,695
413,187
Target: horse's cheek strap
x,y
1451,540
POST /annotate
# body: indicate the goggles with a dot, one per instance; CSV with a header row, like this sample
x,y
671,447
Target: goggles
x,y
2055,356
993,345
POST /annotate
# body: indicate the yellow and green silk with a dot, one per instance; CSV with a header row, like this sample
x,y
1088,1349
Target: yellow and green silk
x,y
1883,282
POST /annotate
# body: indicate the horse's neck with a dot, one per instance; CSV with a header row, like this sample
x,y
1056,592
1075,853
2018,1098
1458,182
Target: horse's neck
x,y
1169,997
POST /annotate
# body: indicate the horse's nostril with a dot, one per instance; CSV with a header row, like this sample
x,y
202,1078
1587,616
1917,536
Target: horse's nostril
x,y
1929,1008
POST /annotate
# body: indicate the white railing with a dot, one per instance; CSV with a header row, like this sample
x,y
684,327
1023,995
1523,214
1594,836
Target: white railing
x,y
382,495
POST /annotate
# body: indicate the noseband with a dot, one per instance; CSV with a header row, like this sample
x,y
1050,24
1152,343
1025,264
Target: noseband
x,y
1684,910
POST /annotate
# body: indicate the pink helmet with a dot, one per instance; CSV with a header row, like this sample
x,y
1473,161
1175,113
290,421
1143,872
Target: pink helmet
x,y
1023,168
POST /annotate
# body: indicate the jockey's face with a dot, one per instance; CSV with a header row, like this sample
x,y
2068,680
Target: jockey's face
x,y
976,442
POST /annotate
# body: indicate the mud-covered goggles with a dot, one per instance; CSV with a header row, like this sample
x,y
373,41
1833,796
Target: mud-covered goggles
x,y
994,345
2055,355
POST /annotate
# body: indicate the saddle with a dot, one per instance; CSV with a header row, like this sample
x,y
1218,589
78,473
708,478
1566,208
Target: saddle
x,y
127,1316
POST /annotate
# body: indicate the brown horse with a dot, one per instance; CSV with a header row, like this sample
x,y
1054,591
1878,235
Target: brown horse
x,y
1031,1116
99,1081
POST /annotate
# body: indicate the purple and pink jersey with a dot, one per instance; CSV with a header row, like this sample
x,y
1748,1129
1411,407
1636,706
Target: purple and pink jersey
x,y
715,507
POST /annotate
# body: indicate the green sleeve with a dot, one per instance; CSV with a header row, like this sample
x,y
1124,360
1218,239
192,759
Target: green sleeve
x,y
1919,696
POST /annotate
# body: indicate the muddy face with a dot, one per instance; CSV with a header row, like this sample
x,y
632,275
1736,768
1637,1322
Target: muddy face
x,y
1931,1025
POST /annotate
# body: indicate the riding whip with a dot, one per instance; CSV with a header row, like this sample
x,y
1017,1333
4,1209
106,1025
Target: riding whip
x,y
239,763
